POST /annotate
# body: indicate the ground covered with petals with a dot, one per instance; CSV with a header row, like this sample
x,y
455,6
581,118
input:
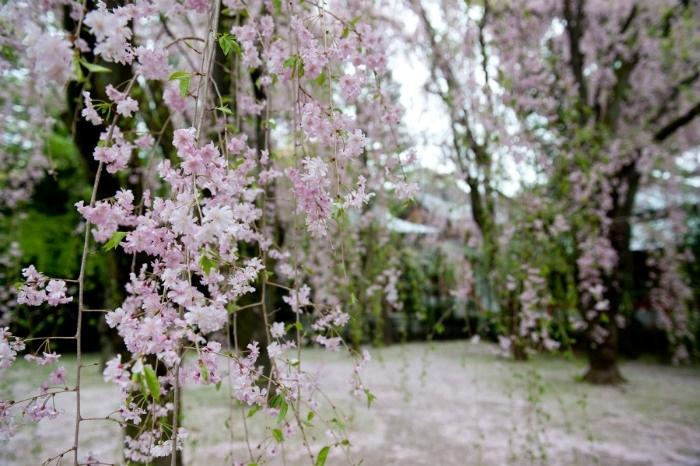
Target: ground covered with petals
x,y
447,403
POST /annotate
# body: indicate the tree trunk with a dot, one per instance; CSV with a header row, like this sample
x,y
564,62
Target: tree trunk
x,y
602,356
518,350
602,361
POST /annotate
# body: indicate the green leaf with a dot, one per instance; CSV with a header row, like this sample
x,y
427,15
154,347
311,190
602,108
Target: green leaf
x,y
277,4
94,68
350,26
184,80
310,416
225,109
320,79
295,325
296,63
114,241
178,75
370,398
184,86
338,212
152,381
144,385
79,76
207,263
439,328
229,44
253,410
322,456
277,434
204,371
284,407
277,400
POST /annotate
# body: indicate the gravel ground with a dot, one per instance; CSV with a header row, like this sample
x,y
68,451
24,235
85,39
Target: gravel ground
x,y
442,404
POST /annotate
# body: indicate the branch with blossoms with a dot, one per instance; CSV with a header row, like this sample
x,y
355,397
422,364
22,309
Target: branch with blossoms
x,y
199,235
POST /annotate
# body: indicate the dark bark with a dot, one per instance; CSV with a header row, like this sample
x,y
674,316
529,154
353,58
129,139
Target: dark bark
x,y
602,356
673,126
518,349
574,16
602,362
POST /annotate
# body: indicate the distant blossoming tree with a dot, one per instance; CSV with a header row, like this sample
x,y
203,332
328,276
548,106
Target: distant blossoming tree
x,y
609,93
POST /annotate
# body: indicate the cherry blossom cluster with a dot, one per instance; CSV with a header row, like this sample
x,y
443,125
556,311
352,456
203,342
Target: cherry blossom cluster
x,y
36,407
38,289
